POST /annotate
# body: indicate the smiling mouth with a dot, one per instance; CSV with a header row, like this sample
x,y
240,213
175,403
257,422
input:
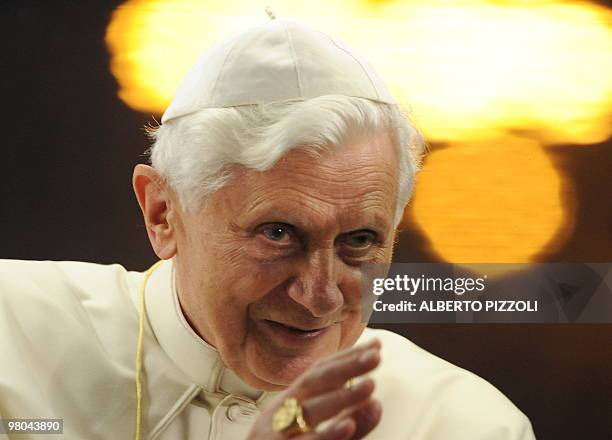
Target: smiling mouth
x,y
289,333
295,329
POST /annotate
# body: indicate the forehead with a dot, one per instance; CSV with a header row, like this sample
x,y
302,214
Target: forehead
x,y
355,182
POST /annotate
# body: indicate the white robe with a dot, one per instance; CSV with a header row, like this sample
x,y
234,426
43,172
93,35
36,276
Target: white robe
x,y
68,335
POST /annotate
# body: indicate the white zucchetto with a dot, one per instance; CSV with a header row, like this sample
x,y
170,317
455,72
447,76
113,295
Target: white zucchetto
x,y
279,60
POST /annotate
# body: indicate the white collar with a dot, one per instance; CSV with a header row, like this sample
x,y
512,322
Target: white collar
x,y
197,359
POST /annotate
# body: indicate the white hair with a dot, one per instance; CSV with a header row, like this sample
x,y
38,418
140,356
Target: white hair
x,y
195,153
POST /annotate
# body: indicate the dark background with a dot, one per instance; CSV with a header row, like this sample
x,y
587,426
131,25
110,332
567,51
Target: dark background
x,y
68,153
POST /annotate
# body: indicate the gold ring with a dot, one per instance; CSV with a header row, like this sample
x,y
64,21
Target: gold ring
x,y
289,419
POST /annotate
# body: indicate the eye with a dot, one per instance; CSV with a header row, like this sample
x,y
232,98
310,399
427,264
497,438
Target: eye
x,y
277,232
360,239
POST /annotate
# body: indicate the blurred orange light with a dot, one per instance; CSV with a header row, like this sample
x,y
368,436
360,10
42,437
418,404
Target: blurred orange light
x,y
468,69
474,73
494,202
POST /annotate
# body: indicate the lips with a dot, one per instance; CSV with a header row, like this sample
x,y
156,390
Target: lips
x,y
297,327
292,335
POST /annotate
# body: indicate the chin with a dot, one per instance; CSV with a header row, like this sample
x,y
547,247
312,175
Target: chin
x,y
275,373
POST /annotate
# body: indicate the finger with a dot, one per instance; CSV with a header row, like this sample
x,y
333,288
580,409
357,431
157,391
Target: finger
x,y
328,405
366,415
343,429
334,374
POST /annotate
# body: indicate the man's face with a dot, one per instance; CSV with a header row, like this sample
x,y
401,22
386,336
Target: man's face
x,y
268,271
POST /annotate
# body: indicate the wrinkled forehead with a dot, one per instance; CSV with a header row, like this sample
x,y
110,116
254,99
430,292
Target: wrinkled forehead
x,y
353,183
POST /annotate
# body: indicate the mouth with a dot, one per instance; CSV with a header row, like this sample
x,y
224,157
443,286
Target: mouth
x,y
291,334
297,328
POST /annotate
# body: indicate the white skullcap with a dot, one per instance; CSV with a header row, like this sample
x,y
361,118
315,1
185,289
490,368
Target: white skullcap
x,y
277,61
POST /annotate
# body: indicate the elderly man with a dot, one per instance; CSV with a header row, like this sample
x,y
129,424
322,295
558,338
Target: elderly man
x,y
281,167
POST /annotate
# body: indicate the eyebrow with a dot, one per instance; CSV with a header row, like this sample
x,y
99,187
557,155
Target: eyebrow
x,y
371,220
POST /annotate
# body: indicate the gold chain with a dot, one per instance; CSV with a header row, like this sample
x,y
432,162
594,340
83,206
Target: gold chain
x,y
140,347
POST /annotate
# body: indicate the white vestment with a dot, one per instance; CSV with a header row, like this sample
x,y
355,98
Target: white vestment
x,y
68,335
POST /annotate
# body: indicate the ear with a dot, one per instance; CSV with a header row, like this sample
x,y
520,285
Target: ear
x,y
156,204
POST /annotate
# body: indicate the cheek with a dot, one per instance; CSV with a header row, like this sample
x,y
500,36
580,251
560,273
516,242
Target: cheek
x,y
352,286
258,280
242,293
353,291
351,330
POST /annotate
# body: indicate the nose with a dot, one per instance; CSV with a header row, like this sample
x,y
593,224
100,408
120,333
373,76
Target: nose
x,y
316,285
